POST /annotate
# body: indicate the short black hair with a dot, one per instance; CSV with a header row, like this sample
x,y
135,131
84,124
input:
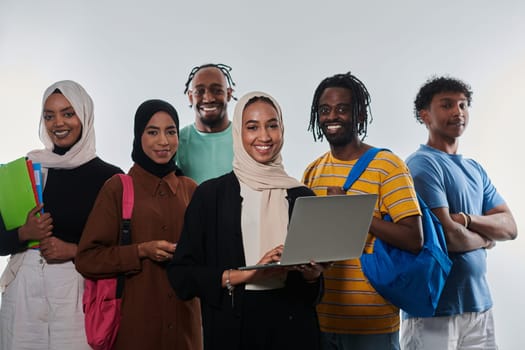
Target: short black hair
x,y
360,103
436,85
225,69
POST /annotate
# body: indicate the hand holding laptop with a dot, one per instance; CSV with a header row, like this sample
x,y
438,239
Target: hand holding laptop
x,y
239,276
310,271
272,256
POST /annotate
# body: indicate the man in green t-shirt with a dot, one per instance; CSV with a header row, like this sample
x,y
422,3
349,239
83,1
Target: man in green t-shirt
x,y
206,146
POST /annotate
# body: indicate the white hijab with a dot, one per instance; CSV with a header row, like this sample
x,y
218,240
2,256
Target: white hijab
x,y
271,178
84,150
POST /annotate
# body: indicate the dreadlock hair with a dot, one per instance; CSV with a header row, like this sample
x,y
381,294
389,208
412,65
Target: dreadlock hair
x,y
360,104
225,69
436,85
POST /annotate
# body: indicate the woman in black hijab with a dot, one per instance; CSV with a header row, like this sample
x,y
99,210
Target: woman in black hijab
x,y
142,117
152,317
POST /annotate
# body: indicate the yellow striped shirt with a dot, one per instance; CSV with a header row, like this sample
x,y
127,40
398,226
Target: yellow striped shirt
x,y
350,304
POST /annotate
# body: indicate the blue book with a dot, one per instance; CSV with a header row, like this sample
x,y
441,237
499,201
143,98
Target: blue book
x,y
37,168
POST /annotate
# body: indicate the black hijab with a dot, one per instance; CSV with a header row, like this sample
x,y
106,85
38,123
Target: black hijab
x,y
144,113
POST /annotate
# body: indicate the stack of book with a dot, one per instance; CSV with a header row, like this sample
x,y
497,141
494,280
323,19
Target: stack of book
x,y
20,191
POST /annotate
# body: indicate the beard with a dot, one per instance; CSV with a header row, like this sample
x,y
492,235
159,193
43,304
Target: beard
x,y
339,140
342,138
211,120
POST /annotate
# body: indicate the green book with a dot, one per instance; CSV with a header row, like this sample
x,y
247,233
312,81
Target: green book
x,y
17,197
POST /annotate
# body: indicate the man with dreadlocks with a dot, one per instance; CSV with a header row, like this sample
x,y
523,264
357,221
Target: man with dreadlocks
x,y
206,146
352,315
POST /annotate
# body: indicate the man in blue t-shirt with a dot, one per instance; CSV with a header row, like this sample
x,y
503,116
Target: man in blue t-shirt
x,y
473,214
206,146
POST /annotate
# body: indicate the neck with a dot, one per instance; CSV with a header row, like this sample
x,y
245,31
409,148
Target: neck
x,y
449,146
350,151
61,150
221,126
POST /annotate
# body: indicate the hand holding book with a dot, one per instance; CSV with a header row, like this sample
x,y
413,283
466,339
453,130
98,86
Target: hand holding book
x,y
20,193
37,225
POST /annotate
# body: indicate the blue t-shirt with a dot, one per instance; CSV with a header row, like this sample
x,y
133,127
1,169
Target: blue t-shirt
x,y
462,185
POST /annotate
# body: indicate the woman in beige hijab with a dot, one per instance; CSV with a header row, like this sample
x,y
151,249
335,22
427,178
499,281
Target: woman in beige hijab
x,y
240,219
42,291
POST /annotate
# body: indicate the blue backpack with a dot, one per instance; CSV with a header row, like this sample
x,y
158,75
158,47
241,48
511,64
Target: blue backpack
x,y
412,282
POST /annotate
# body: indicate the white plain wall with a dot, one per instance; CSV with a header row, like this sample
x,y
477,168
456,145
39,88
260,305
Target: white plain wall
x,y
124,52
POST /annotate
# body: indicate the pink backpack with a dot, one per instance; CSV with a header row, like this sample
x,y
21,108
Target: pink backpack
x,y
102,298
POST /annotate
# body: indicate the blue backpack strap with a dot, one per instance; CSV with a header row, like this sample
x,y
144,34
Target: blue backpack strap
x,y
432,228
360,166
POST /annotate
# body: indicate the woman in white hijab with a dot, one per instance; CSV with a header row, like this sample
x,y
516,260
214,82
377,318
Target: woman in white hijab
x,y
240,219
42,298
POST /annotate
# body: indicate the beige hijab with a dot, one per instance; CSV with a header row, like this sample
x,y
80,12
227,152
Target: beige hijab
x,y
271,179
84,150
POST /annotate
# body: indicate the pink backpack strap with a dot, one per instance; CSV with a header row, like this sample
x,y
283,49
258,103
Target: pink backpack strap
x,y
128,195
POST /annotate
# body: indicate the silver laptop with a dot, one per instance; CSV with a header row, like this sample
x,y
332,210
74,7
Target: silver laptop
x,y
324,229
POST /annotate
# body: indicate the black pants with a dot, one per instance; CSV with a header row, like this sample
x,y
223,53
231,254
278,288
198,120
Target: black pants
x,y
272,320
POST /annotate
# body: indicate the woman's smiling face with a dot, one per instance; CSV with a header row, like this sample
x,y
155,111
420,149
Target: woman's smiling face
x,y
159,139
61,121
262,133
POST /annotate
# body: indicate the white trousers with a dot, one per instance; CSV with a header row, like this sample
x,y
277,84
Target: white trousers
x,y
468,331
42,307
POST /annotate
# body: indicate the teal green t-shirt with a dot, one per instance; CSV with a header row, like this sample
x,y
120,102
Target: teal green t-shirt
x,y
203,156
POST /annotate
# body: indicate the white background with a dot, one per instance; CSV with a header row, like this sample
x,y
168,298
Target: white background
x,y
124,52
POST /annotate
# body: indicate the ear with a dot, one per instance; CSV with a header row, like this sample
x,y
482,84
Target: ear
x,y
229,92
424,115
190,97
